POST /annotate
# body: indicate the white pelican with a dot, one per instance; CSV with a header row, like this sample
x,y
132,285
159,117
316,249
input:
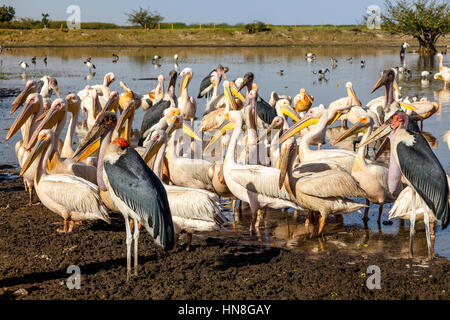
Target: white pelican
x,y
26,121
73,198
353,102
274,97
186,103
254,184
303,101
157,94
372,178
318,187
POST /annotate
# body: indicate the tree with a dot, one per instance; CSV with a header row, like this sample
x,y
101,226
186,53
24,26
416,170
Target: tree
x,y
144,18
425,20
44,21
7,13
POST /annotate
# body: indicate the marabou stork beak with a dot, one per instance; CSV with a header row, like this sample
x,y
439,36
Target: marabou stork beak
x,y
380,82
360,126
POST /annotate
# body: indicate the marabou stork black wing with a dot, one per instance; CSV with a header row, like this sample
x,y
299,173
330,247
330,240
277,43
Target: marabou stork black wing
x,y
265,111
421,167
152,116
206,82
142,191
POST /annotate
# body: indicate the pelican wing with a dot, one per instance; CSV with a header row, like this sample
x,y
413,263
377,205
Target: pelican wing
x,y
76,194
195,204
423,170
259,179
141,190
320,180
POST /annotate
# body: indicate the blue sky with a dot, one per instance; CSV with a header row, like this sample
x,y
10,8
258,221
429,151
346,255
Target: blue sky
x,y
201,11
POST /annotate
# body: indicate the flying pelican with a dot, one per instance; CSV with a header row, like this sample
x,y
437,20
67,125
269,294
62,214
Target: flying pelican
x,y
186,103
372,178
254,184
193,210
206,86
420,168
318,187
73,198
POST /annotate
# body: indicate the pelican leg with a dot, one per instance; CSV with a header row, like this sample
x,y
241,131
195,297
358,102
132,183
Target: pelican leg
x,y
307,220
318,146
253,222
322,221
136,243
426,220
128,241
188,240
30,195
259,217
71,224
412,221
175,244
233,208
65,227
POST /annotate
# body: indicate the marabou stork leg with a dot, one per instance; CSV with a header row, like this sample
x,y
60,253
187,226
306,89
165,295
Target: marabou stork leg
x,y
128,241
136,243
426,220
412,221
366,212
188,240
380,212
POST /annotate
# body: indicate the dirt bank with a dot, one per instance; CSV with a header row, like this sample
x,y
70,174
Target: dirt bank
x,y
279,36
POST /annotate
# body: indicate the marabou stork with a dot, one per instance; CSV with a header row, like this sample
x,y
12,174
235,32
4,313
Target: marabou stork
x,y
133,187
207,84
412,158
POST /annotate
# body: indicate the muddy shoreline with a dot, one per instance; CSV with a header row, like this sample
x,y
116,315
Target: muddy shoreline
x,y
34,260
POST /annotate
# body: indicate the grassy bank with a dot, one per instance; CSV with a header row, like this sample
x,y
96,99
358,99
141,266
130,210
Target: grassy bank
x,y
233,36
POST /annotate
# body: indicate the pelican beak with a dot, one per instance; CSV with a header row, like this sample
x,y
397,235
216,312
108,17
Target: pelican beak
x,y
384,145
109,80
352,96
90,143
57,91
152,149
283,165
397,89
30,108
381,132
336,117
127,113
265,133
379,83
234,90
41,145
310,98
407,106
290,112
190,132
175,123
302,124
226,125
185,81
20,99
360,126
111,104
52,117
72,108
42,115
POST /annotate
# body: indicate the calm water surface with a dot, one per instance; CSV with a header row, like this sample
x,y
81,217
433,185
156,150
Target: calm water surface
x,y
279,229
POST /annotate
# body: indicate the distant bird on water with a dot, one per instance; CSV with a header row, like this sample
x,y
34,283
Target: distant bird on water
x,y
45,60
115,58
363,63
33,60
89,64
23,65
403,50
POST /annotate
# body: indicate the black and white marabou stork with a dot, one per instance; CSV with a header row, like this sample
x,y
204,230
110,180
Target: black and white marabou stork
x,y
264,110
412,157
403,50
155,113
207,84
134,188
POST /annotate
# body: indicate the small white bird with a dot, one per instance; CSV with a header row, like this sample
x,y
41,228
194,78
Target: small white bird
x,y
425,74
23,65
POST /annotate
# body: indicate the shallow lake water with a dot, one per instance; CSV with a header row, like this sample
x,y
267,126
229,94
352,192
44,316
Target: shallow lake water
x,y
280,229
